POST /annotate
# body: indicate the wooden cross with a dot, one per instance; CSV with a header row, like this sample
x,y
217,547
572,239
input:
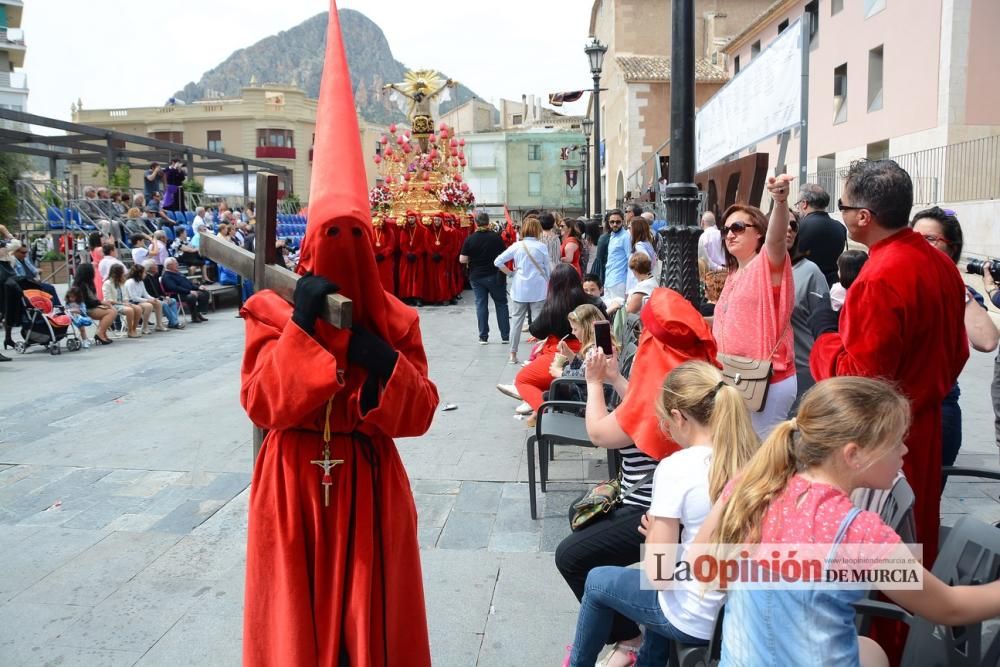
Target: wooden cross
x,y
327,464
260,265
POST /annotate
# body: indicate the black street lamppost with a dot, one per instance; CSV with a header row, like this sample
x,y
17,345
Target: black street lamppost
x,y
595,53
679,253
588,128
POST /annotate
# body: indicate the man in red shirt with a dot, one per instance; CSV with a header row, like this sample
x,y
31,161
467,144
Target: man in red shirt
x,y
903,321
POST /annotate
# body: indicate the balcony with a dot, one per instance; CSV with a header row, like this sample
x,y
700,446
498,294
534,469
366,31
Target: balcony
x,y
12,41
283,152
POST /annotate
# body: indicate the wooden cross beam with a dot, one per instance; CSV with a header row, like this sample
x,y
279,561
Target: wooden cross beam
x,y
260,265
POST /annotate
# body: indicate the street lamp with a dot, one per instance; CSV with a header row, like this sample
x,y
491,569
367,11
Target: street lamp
x,y
588,128
679,254
595,53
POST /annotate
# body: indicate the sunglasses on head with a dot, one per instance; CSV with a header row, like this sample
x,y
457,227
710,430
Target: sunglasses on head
x,y
736,228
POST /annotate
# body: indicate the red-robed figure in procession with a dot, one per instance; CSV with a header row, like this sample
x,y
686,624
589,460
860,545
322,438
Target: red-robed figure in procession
x,y
438,279
413,244
386,253
333,564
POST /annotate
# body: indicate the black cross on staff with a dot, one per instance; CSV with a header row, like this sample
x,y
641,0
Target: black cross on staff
x,y
260,265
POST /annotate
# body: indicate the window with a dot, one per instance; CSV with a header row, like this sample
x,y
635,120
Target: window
x,y
875,79
755,49
481,156
535,152
878,150
836,6
274,137
873,7
215,141
736,65
516,119
173,137
378,146
534,184
782,26
812,10
840,94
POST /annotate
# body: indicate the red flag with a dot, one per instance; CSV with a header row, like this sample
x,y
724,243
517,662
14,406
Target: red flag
x,y
557,99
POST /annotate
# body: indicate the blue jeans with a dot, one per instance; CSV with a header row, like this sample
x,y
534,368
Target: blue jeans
x,y
616,589
951,427
170,311
493,286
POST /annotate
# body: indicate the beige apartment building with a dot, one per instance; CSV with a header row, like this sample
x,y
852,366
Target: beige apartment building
x,y
914,81
267,122
635,108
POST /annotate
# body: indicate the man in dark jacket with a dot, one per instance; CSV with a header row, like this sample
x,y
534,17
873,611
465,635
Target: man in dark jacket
x,y
821,238
174,282
478,252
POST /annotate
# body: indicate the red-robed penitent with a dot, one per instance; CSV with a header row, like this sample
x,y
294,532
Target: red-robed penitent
x,y
438,279
903,321
337,584
413,241
386,251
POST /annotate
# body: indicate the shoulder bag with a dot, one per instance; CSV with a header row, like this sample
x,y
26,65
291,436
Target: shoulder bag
x,y
527,251
601,501
750,377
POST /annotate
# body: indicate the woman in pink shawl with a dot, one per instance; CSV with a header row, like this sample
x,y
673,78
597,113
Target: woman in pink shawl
x,y
755,308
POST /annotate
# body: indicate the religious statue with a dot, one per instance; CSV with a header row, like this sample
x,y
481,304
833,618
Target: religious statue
x,y
418,97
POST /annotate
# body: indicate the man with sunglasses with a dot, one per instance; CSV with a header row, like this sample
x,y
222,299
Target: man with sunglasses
x,y
619,250
821,238
902,320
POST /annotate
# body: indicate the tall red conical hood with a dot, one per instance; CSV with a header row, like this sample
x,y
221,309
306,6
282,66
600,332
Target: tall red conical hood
x,y
338,240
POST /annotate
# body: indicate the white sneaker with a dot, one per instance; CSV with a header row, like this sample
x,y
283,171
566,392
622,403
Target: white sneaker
x,y
85,344
509,390
523,409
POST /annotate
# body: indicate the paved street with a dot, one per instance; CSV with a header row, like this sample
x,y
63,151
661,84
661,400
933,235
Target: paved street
x,y
124,477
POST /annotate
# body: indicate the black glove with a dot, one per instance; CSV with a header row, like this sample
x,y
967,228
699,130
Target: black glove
x,y
823,319
379,258
411,256
436,257
310,294
369,351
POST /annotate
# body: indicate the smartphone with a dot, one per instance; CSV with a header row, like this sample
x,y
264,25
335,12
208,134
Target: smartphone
x,y
602,336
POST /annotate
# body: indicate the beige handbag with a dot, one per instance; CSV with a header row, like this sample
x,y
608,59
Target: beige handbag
x,y
750,377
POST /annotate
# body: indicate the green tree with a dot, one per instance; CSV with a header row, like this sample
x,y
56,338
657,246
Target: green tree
x,y
12,165
191,185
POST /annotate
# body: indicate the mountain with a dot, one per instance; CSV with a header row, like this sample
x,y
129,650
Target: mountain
x,y
295,56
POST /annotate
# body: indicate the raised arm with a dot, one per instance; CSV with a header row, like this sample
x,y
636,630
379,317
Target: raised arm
x,y
777,227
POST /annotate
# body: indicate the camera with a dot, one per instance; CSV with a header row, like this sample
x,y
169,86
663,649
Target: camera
x,y
977,266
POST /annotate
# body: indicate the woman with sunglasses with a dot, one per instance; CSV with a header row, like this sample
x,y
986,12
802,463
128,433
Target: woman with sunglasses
x,y
942,230
753,315
569,247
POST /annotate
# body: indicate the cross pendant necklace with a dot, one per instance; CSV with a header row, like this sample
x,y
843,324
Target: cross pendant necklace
x,y
327,464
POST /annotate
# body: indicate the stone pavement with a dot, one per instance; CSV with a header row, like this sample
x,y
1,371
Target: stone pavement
x,y
124,477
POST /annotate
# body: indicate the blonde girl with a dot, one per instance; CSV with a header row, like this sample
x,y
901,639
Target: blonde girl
x,y
581,322
795,490
709,421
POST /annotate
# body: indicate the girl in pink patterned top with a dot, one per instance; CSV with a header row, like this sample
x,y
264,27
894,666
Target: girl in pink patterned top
x,y
795,490
753,314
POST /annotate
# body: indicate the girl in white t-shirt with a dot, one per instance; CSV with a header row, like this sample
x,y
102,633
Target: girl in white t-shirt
x,y
709,420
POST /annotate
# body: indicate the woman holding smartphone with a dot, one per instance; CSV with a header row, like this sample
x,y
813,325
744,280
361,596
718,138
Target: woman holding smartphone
x,y
551,326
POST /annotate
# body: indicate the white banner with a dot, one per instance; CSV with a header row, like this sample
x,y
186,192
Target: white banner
x,y
764,99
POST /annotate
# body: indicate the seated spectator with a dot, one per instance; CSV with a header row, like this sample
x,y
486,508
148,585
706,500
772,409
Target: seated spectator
x,y
187,254
114,294
109,259
136,226
27,275
551,327
709,421
154,209
158,248
173,282
171,309
199,217
848,267
135,291
101,312
116,204
139,248
673,332
645,283
566,362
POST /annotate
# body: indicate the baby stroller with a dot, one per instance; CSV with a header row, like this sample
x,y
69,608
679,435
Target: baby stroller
x,y
43,326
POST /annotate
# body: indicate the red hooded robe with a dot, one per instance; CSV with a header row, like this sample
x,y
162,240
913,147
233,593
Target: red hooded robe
x,y
439,277
386,248
672,332
413,243
337,584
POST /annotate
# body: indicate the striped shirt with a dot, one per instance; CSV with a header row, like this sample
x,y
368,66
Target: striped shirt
x,y
635,466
